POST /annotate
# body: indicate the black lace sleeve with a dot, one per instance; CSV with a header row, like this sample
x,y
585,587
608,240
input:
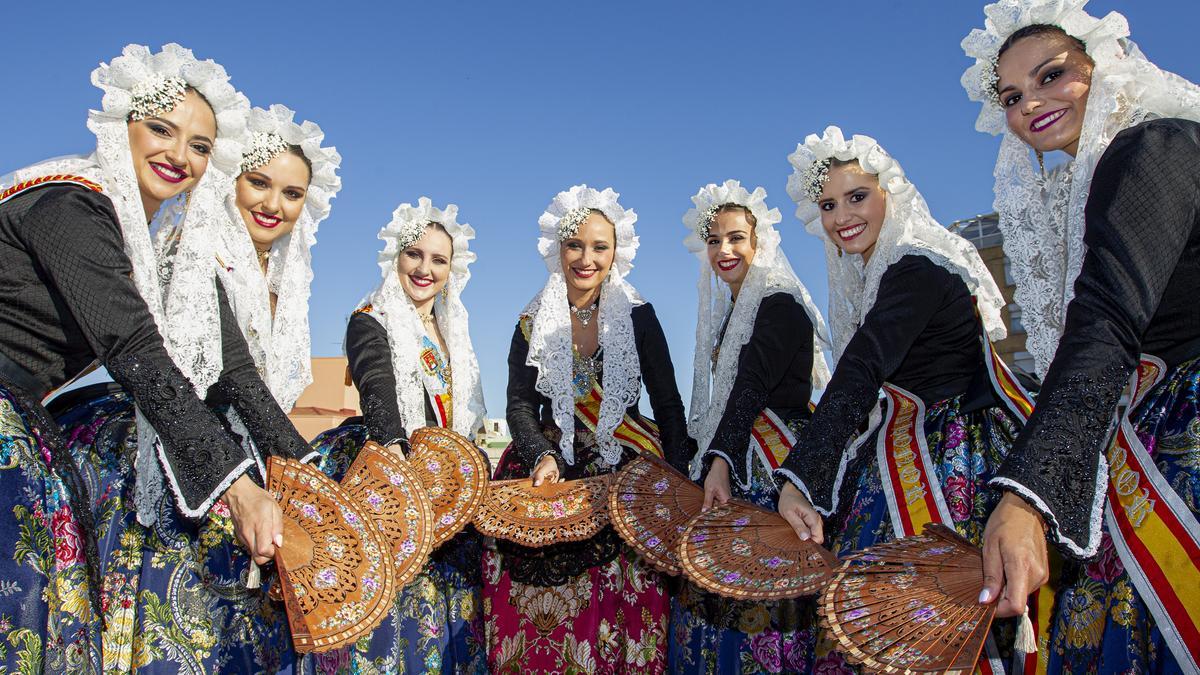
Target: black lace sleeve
x,y
658,376
241,386
370,359
1143,208
76,240
524,404
910,292
782,334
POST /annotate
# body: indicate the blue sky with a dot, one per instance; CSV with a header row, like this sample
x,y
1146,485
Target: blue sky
x,y
498,106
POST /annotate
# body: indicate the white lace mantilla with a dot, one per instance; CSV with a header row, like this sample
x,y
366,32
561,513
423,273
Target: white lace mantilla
x,y
1042,217
908,229
395,311
550,343
769,273
281,345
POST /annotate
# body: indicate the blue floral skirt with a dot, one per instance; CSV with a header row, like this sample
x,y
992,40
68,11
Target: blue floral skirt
x,y
967,449
713,634
1101,624
47,622
174,594
435,625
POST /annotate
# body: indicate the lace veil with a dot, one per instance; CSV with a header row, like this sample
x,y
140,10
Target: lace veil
x,y
908,229
550,344
1042,217
769,273
280,345
394,309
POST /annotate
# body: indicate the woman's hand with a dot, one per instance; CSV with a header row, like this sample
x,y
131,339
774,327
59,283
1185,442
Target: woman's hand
x,y
1014,555
257,519
716,484
545,471
800,514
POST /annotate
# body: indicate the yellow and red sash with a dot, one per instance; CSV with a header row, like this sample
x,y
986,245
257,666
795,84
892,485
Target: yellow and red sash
x,y
639,435
771,439
42,181
911,487
436,378
1155,533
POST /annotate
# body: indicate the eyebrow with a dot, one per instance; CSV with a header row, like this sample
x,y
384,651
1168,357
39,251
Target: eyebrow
x,y
1032,73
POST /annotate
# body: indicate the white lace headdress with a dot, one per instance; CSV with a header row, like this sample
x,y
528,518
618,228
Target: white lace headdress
x,y
908,229
550,343
280,344
769,273
138,84
1042,218
394,309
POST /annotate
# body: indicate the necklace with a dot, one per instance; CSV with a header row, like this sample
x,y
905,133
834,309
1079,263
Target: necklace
x,y
262,257
584,315
426,319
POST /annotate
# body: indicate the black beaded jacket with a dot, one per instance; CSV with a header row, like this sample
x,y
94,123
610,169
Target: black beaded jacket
x,y
1136,293
67,299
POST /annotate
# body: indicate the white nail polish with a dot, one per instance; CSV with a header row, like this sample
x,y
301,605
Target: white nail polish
x,y
985,595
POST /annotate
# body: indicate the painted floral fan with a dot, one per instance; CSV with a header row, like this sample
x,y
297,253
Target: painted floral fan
x,y
911,605
389,489
650,505
455,475
335,576
749,553
551,513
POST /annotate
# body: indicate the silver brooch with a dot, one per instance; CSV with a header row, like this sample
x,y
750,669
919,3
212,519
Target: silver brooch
x,y
263,148
814,177
410,233
153,97
568,225
989,78
706,221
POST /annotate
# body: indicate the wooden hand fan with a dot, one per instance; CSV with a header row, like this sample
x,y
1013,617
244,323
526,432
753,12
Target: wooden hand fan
x,y
650,504
911,605
335,574
391,492
551,513
749,553
455,476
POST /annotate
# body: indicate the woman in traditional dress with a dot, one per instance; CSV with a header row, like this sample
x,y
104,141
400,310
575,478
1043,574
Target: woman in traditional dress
x,y
582,350
912,310
75,242
174,592
282,194
1105,250
754,370
412,361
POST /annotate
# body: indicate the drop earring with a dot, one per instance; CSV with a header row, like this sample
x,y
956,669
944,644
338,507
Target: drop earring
x,y
1041,163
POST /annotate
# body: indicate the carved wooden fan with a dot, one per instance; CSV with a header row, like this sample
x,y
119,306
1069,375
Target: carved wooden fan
x,y
911,605
742,551
390,490
551,513
650,505
335,574
455,475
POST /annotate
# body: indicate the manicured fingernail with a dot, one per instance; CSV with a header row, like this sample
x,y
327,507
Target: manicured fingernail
x,y
805,536
985,595
279,540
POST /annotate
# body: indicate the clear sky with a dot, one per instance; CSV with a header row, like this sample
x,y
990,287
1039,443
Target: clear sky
x,y
497,106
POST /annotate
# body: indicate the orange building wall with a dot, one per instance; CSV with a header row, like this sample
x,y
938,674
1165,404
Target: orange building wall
x,y
330,398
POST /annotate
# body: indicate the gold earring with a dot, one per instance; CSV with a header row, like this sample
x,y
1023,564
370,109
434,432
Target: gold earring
x,y
840,252
1041,163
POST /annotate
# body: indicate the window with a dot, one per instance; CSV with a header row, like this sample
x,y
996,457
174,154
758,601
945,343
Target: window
x,y
1014,319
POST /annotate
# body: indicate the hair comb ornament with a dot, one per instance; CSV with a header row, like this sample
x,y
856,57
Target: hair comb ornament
x,y
651,503
551,513
746,552
910,605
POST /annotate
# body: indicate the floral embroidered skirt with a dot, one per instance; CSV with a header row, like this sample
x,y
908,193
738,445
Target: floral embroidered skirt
x,y
712,634
435,625
1101,624
174,594
46,618
580,607
967,449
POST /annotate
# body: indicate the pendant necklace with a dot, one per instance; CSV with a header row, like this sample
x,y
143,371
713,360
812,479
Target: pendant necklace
x,y
585,315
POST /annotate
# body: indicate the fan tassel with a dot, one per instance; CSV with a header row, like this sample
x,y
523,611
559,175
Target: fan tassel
x,y
254,576
1026,642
